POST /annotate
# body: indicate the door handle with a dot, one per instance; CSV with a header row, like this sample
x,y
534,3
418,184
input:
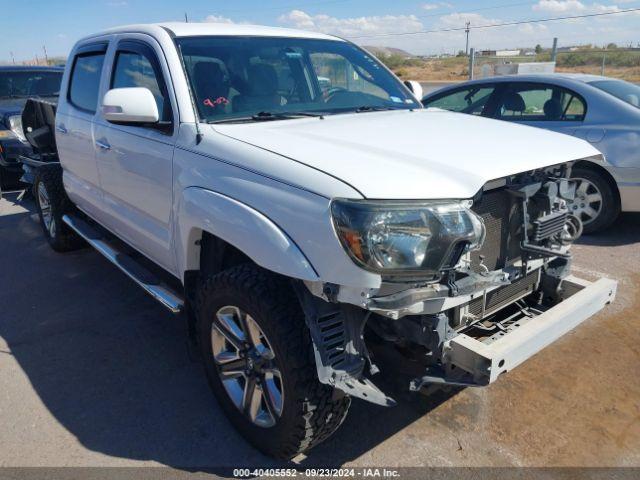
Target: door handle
x,y
60,128
103,145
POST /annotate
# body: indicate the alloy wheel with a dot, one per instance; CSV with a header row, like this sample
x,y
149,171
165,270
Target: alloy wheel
x,y
45,209
587,204
247,366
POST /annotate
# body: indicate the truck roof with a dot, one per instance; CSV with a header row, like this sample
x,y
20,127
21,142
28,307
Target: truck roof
x,y
184,29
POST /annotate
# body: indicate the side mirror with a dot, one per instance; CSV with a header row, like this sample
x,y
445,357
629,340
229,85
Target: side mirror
x,y
130,105
415,88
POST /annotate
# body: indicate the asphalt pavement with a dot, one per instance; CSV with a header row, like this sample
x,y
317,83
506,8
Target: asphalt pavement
x,y
95,373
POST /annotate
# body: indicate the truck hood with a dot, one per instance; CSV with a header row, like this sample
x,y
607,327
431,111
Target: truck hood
x,y
402,154
13,106
9,107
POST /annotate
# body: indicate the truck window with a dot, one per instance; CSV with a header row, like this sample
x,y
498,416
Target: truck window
x,y
85,81
237,77
334,71
135,69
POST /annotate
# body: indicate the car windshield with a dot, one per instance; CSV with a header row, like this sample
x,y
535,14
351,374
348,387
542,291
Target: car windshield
x,y
237,78
625,91
29,83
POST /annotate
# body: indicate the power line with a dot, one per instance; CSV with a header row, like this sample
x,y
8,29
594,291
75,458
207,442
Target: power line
x,y
504,24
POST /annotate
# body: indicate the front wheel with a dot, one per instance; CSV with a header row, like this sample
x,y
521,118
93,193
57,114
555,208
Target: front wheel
x,y
259,360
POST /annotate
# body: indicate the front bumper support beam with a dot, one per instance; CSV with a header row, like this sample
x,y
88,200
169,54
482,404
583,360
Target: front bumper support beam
x,y
485,361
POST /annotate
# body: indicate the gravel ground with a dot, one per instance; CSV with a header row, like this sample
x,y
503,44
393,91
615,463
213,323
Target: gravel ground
x,y
95,373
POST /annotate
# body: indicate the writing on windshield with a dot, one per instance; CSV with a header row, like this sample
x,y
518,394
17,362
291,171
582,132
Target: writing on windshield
x,y
240,77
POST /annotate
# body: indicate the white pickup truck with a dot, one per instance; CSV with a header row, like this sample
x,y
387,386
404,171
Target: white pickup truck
x,y
291,197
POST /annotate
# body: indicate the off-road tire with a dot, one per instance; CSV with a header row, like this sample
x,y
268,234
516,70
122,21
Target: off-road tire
x,y
312,411
63,238
610,204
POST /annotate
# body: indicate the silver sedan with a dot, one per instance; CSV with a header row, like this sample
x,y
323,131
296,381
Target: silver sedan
x,y
602,110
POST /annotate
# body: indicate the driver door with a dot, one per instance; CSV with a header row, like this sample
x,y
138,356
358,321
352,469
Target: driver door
x,y
135,162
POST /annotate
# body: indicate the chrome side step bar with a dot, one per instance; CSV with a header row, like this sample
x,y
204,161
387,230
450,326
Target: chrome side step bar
x,y
136,272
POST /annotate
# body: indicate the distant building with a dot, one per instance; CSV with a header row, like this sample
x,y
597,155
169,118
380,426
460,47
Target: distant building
x,y
499,53
569,49
507,53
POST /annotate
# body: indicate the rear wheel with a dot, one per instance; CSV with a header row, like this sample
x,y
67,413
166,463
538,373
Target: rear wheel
x,y
52,203
259,360
596,203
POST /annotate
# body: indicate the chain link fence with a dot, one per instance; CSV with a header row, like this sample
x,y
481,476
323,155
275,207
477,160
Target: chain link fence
x,y
621,63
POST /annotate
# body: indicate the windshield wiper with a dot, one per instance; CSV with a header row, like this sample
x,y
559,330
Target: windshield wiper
x,y
284,115
266,116
374,108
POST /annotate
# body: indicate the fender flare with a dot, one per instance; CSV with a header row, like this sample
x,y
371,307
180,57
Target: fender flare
x,y
240,225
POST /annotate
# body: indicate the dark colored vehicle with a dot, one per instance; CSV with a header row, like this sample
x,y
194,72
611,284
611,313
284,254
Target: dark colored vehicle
x,y
17,84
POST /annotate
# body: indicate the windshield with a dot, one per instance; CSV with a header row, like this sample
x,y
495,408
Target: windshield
x,y
625,91
240,77
29,84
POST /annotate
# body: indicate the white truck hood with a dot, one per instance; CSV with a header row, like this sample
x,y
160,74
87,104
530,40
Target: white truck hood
x,y
424,154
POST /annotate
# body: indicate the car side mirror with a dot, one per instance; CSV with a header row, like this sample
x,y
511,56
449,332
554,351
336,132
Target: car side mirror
x,y
130,105
415,88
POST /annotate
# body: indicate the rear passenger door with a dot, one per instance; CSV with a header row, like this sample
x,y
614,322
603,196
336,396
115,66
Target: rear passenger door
x,y
74,126
136,161
542,105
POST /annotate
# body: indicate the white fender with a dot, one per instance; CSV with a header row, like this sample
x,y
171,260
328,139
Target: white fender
x,y
240,225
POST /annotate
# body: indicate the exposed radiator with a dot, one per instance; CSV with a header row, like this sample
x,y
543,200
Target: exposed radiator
x,y
502,215
501,297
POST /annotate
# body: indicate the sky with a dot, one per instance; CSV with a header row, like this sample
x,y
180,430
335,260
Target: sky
x,y
27,25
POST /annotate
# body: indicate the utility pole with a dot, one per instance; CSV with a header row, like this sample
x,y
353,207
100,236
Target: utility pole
x,y
46,58
472,61
467,30
37,60
554,49
604,59
13,59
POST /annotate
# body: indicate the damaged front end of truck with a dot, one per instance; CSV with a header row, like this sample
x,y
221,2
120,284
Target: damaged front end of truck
x,y
490,287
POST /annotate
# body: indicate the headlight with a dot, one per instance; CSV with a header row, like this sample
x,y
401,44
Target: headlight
x,y
15,125
417,238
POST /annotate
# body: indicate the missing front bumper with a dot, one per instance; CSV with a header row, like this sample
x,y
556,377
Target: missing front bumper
x,y
485,360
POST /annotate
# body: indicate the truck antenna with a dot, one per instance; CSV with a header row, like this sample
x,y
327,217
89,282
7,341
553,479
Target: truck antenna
x,y
199,134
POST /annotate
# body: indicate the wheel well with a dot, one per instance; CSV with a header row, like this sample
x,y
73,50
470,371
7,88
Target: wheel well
x,y
216,255
602,172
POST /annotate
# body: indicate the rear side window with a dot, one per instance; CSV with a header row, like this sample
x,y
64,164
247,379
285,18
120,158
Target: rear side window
x,y
85,81
625,91
470,100
541,103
